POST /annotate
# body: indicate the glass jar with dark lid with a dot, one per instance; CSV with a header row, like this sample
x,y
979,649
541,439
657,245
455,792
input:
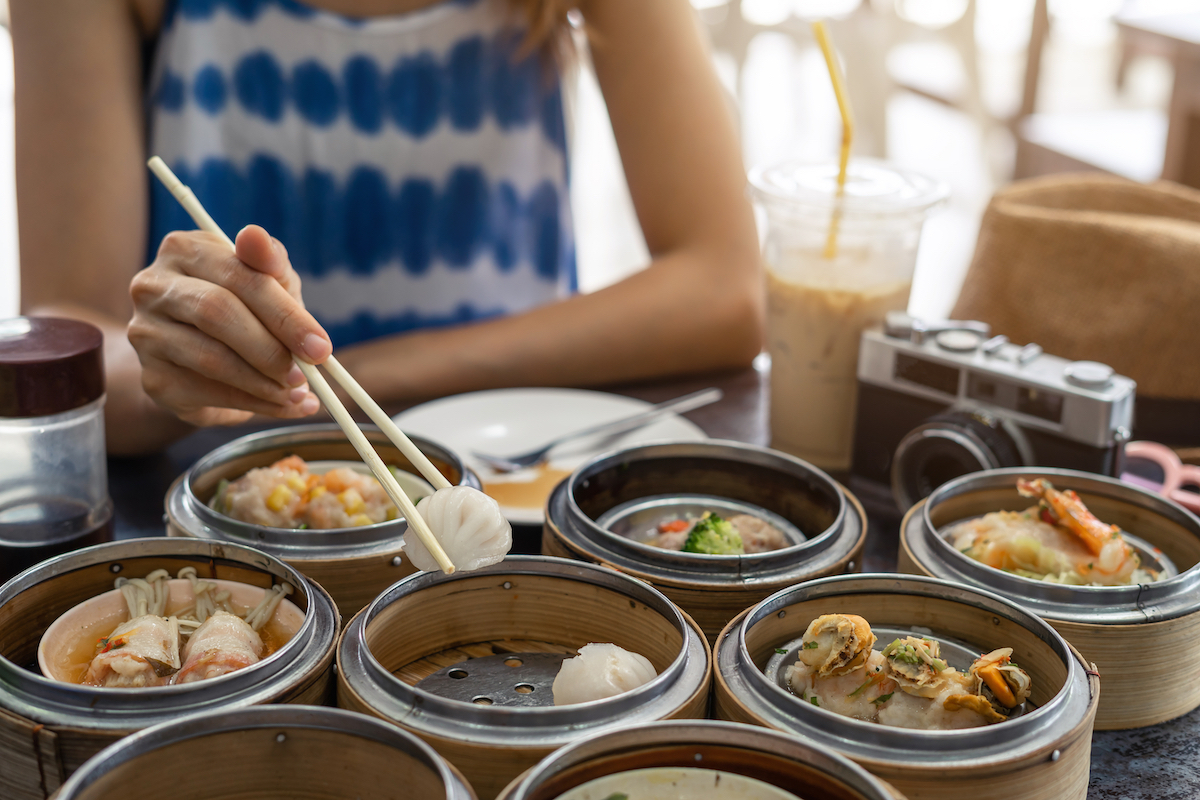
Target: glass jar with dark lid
x,y
53,474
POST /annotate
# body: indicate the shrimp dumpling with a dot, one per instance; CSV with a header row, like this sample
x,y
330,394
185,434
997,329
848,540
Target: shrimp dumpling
x,y
140,652
469,526
224,643
600,671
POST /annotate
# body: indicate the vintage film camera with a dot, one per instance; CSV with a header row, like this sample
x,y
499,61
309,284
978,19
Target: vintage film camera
x,y
936,401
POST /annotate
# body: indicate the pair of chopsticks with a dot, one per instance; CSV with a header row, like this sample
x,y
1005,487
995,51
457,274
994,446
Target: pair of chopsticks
x,y
338,411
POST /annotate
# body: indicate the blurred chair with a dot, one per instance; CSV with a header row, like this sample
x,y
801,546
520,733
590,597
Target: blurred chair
x,y
917,43
858,37
884,49
1131,143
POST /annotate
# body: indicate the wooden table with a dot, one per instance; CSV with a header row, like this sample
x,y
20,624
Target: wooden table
x,y
1157,763
1176,37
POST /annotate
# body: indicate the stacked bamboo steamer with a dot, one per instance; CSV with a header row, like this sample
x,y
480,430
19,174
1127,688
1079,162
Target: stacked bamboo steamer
x,y
353,564
48,729
1139,636
1039,755
825,522
466,661
776,760
275,751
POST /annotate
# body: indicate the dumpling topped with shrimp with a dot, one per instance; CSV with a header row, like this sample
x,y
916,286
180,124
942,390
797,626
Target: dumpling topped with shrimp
x,y
1058,540
287,495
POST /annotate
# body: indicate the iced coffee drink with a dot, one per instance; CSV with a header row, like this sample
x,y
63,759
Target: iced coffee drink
x,y
819,301
812,335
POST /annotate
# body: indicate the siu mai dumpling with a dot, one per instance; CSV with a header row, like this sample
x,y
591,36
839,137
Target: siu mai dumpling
x,y
223,644
600,671
143,651
468,525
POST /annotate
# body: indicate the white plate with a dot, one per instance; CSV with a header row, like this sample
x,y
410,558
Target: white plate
x,y
507,421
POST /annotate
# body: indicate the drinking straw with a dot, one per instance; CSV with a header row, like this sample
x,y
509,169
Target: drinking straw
x,y
839,91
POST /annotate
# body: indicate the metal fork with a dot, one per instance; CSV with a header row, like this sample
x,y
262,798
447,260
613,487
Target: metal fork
x,y
687,402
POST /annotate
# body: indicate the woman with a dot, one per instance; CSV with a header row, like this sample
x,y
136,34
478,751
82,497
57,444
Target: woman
x,y
411,154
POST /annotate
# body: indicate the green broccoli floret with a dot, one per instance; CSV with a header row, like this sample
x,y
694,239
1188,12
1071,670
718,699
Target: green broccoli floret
x,y
715,537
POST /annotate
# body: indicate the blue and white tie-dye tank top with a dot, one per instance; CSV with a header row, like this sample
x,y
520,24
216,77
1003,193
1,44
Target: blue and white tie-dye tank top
x,y
414,168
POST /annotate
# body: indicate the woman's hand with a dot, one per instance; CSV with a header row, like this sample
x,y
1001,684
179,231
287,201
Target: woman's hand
x,y
215,330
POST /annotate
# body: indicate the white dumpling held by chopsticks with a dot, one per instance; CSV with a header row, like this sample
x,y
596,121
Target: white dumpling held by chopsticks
x,y
468,525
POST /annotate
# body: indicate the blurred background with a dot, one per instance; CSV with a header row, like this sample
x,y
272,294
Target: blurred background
x,y
972,92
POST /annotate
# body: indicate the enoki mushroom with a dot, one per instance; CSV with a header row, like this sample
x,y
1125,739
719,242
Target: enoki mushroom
x,y
261,613
149,595
208,600
145,595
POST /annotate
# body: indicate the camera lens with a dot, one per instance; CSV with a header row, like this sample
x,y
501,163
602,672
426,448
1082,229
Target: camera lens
x,y
946,446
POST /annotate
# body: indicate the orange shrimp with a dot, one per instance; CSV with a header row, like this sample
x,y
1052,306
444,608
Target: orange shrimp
x,y
292,462
1070,512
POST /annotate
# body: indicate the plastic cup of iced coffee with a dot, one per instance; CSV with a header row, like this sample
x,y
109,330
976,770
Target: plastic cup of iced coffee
x,y
822,293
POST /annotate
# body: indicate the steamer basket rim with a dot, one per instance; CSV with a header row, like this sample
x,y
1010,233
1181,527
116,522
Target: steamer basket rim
x,y
217,722
720,733
199,521
714,569
515,723
870,741
92,708
1100,605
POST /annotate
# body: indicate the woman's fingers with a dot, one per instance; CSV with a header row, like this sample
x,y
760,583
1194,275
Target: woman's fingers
x,y
266,255
216,335
192,397
161,297
205,257
193,350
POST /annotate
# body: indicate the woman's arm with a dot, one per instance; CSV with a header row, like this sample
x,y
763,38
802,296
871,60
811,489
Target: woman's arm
x,y
214,337
699,304
82,207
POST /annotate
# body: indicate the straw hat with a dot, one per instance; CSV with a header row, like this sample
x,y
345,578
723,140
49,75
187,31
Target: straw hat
x,y
1094,267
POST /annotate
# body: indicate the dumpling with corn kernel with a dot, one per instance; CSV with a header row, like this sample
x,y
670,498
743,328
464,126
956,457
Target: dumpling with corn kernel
x,y
287,495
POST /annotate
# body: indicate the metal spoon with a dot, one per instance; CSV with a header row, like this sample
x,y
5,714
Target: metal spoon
x,y
687,402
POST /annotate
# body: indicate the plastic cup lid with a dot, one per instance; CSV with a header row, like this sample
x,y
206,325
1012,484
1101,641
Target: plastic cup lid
x,y
872,187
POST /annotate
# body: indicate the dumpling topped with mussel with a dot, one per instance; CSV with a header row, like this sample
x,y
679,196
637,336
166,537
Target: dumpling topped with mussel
x,y
907,684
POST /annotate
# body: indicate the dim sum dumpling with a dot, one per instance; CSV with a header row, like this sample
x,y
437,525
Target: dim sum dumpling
x,y
143,651
469,526
224,643
600,671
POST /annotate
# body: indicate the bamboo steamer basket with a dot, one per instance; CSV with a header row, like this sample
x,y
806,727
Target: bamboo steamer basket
x,y
1039,755
712,589
774,758
268,752
48,729
353,564
527,608
1144,639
